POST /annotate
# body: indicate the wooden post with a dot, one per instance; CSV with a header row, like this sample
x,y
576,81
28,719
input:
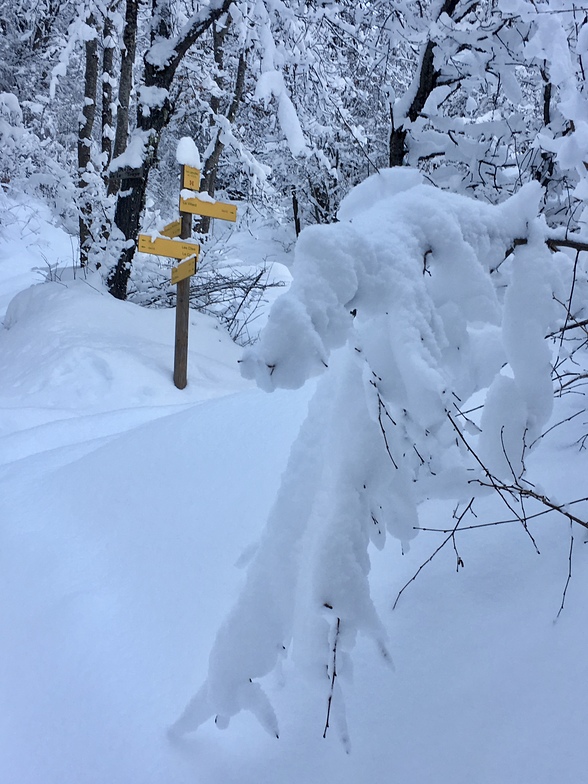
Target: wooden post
x,y
182,312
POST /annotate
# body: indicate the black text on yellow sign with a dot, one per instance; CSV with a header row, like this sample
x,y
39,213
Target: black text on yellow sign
x,y
170,248
184,270
209,209
191,178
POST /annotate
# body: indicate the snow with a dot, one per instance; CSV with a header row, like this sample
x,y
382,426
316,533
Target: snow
x,y
381,305
10,107
152,97
187,153
186,193
134,155
126,505
270,84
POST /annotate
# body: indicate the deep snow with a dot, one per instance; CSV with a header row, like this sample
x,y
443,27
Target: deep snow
x,y
128,510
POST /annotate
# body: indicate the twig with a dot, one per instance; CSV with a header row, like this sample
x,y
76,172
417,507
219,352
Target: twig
x,y
567,327
569,306
448,538
565,590
502,489
517,489
553,507
333,676
557,424
496,522
382,407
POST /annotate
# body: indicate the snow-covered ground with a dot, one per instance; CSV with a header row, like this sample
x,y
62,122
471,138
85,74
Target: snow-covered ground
x,y
128,511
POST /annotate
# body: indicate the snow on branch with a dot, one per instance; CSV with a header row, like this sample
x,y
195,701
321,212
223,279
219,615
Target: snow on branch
x,y
166,53
80,29
407,308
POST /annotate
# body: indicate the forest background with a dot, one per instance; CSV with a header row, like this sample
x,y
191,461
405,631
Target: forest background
x,y
290,104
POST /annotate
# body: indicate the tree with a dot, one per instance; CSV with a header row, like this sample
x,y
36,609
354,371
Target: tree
x,y
85,137
305,100
218,122
154,110
125,83
406,307
483,112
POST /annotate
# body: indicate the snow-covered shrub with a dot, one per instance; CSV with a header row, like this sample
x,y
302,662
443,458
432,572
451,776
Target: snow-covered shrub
x,y
31,164
14,138
234,293
407,307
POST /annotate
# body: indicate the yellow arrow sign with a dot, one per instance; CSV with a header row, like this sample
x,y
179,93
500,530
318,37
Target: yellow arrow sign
x,y
172,229
184,270
210,209
167,247
191,179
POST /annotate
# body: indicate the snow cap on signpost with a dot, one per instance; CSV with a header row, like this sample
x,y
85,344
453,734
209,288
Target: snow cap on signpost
x,y
187,153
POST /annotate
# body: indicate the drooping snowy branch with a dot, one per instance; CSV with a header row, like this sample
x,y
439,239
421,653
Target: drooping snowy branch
x,y
400,308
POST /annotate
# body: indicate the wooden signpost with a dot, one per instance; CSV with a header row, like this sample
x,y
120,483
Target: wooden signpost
x,y
170,244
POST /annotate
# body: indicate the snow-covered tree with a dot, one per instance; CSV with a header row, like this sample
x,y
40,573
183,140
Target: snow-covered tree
x,y
303,99
495,99
409,306
154,111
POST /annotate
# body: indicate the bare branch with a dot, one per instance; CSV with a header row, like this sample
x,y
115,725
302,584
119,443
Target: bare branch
x,y
332,675
565,590
449,538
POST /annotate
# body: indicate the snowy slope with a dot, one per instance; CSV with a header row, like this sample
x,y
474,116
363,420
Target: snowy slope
x,y
125,507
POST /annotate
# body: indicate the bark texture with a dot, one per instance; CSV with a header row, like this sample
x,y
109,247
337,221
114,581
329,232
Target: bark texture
x,y
428,80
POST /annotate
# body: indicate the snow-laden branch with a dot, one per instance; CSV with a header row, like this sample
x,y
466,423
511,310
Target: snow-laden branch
x,y
398,307
166,53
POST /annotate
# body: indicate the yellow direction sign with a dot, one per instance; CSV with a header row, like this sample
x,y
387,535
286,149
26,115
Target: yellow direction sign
x,y
191,179
166,247
210,209
172,229
184,270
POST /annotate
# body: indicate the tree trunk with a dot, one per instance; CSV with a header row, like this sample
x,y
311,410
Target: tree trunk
x,y
151,120
428,80
125,85
85,141
129,206
210,168
108,81
295,211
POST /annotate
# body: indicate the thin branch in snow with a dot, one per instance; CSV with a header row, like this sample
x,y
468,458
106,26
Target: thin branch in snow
x,y
502,489
459,560
557,424
382,408
506,455
517,490
497,522
569,304
464,414
332,675
576,325
450,537
565,590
